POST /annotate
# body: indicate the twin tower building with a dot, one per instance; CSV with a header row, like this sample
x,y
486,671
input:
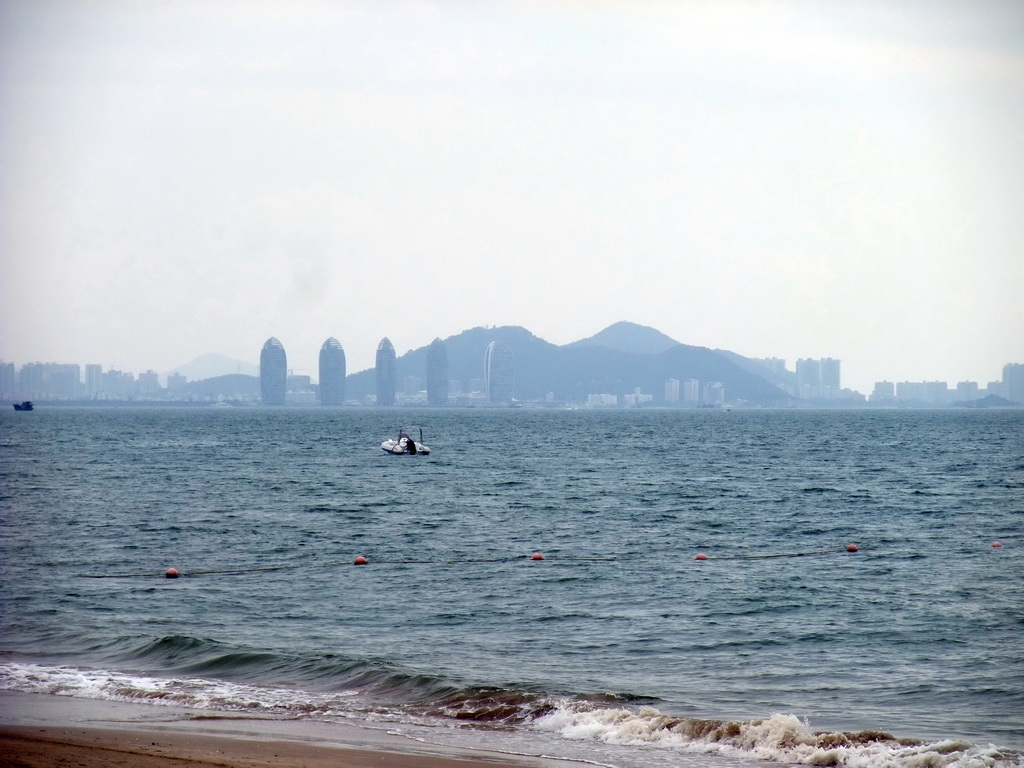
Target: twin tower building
x,y
274,373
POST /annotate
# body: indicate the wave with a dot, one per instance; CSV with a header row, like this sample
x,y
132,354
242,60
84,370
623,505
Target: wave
x,y
609,719
183,655
191,693
779,738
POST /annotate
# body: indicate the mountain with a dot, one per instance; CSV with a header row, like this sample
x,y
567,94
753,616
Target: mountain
x,y
759,368
211,365
629,337
601,364
535,361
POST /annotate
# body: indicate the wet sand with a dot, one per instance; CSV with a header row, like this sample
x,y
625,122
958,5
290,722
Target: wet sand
x,y
43,731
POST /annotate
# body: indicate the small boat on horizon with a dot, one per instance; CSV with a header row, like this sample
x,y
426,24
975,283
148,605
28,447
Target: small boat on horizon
x,y
404,445
23,406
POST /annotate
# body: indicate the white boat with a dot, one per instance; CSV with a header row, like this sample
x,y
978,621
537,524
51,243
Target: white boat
x,y
404,445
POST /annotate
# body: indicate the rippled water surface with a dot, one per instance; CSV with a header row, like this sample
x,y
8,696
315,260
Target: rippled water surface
x,y
263,512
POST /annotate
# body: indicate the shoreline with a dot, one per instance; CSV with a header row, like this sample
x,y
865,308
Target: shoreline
x,y
44,731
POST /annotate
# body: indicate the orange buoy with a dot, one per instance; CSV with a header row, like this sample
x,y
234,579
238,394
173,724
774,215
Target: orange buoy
x,y
996,544
172,573
359,561
537,556
851,547
701,556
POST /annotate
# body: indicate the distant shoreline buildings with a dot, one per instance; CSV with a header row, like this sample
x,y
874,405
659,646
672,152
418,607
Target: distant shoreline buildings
x,y
385,372
332,373
438,383
273,372
815,382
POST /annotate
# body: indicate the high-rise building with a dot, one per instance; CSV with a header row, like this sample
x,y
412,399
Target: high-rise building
x,y
966,391
714,393
818,378
808,377
691,391
149,383
57,381
1013,382
385,370
928,392
499,373
93,380
937,392
30,380
119,385
332,373
273,372
830,376
437,373
672,391
884,392
64,380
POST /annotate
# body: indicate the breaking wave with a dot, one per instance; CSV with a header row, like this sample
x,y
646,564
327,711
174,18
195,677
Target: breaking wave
x,y
779,738
610,720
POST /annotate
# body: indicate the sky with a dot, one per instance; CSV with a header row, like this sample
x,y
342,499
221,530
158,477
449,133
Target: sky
x,y
779,179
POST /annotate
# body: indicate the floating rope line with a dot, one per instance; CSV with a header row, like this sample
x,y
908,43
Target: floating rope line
x,y
487,560
173,573
850,548
170,575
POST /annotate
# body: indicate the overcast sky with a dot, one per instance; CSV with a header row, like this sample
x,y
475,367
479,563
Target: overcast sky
x,y
787,179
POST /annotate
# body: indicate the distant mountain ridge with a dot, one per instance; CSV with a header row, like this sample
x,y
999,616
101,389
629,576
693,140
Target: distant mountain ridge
x,y
229,386
618,360
629,337
607,363
211,365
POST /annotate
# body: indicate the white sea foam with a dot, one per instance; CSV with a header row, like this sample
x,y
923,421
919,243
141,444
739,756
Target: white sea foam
x,y
194,693
779,738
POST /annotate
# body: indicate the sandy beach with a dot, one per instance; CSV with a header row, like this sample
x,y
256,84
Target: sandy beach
x,y
44,731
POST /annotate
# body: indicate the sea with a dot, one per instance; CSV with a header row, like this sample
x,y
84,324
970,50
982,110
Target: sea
x,y
627,588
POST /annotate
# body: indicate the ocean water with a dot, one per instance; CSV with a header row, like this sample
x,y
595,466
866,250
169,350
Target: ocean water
x,y
618,648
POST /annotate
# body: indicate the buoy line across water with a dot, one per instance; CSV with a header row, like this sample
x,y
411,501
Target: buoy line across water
x,y
849,548
173,573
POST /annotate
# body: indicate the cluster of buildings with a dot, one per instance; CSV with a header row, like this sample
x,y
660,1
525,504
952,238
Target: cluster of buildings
x,y
687,391
814,380
64,381
278,388
937,393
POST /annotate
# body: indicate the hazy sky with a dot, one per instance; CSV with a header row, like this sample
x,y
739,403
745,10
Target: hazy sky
x,y
788,179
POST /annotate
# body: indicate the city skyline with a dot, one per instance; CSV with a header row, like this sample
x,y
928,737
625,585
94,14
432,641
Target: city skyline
x,y
792,179
810,379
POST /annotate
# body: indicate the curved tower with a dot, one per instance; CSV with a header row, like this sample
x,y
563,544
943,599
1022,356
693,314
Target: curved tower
x,y
332,373
498,373
273,372
385,372
437,373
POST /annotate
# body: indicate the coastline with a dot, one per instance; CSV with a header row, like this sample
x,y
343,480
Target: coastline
x,y
44,731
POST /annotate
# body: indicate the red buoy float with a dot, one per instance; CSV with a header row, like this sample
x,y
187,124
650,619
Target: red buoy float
x,y
851,547
701,556
996,544
537,556
359,561
172,573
